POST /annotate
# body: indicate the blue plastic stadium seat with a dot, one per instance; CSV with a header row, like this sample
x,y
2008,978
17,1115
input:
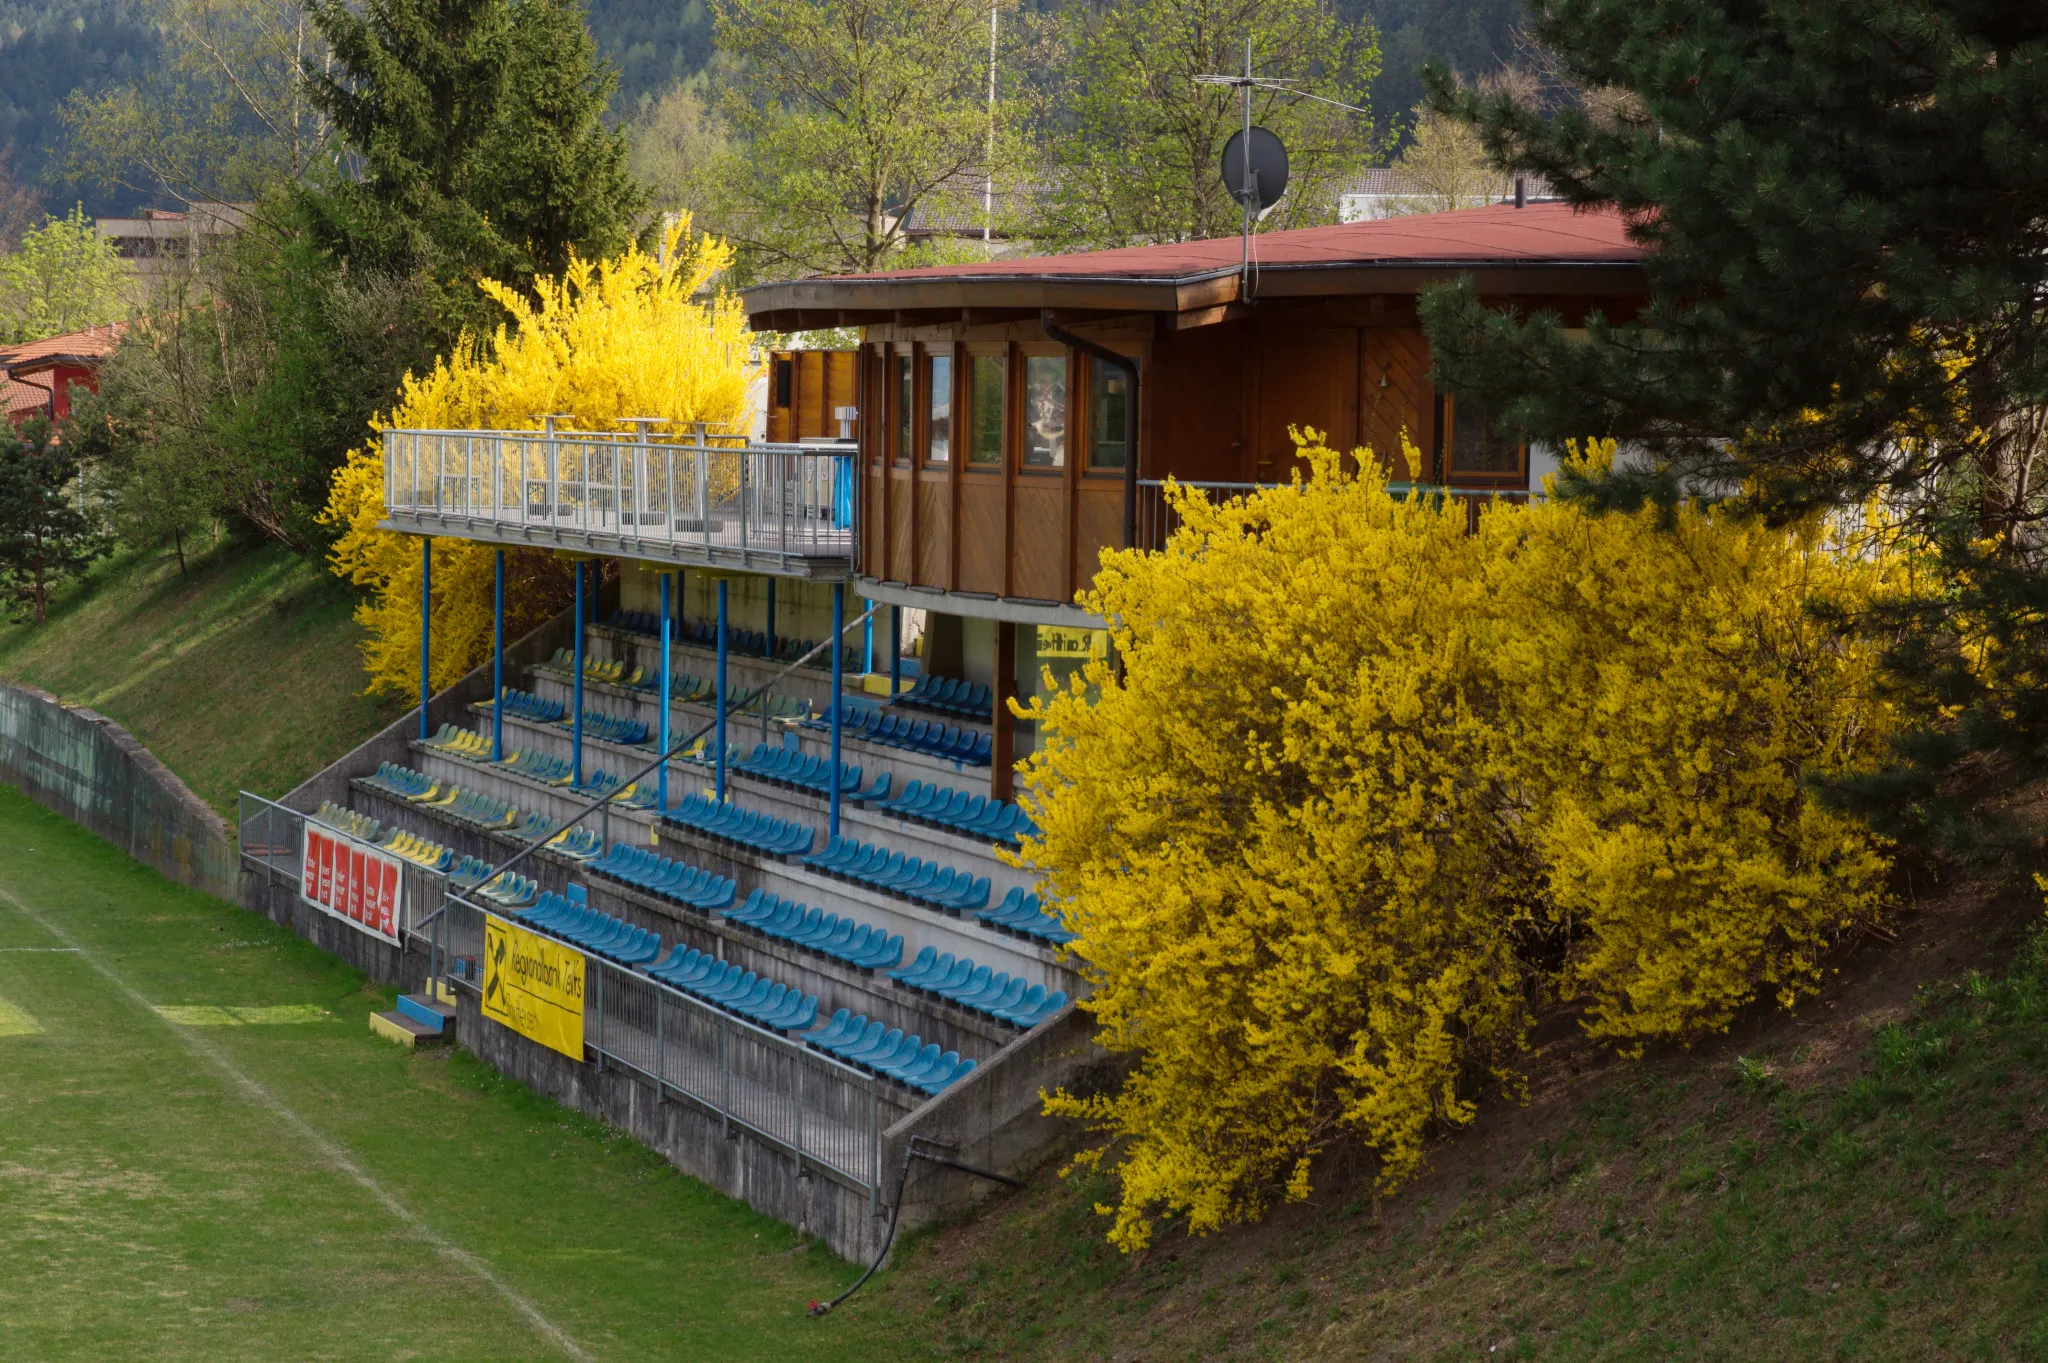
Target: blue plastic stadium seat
x,y
944,888
749,828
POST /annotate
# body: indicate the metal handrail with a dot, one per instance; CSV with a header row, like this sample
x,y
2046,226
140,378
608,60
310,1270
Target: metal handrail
x,y
706,497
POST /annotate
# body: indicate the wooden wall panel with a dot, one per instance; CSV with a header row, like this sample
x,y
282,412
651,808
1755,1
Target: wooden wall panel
x,y
901,549
1194,406
981,534
1038,559
934,530
874,543
1307,378
1098,525
1405,401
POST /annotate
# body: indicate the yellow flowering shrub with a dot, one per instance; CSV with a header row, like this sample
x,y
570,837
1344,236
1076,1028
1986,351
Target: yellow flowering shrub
x,y
1369,789
627,337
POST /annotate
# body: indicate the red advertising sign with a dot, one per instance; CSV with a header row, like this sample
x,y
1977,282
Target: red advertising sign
x,y
353,880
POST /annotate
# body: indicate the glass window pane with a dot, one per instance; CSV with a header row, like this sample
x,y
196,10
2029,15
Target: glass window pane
x,y
903,409
985,409
1108,404
941,422
1478,445
1045,411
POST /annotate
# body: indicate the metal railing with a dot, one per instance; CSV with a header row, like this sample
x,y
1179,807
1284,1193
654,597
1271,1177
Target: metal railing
x,y
827,1116
711,500
272,838
1157,519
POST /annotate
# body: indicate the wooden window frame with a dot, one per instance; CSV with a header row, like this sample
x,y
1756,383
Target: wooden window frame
x,y
1025,352
928,356
1081,410
901,438
1447,427
967,354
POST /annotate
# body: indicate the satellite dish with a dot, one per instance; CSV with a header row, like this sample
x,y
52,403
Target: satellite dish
x,y
1268,179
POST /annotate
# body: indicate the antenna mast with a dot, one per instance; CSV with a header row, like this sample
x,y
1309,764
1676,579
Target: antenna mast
x,y
988,185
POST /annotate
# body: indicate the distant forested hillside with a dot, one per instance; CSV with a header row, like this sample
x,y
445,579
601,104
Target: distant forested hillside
x,y
654,43
49,48
1473,36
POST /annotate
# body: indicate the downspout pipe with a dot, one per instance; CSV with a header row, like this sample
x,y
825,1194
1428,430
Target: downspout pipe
x,y
1096,351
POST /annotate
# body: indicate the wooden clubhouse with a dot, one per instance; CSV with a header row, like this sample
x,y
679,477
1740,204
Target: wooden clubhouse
x,y
999,456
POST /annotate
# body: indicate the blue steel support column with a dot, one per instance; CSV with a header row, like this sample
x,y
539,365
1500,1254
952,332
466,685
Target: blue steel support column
x,y
895,651
576,726
426,628
661,772
867,646
498,659
718,735
771,620
838,696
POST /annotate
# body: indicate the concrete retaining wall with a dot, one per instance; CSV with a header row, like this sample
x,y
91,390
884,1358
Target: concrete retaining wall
x,y
92,771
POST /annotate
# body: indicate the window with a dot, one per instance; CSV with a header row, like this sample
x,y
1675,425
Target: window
x,y
1478,445
1045,411
785,382
900,365
985,409
939,426
1109,417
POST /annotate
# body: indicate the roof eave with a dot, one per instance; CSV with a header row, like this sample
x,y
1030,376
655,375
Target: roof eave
x,y
806,303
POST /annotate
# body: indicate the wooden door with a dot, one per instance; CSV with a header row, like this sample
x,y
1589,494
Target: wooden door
x,y
1308,380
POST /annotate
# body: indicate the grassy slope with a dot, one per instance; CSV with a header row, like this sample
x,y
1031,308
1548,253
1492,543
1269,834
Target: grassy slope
x,y
243,675
1867,1180
150,1207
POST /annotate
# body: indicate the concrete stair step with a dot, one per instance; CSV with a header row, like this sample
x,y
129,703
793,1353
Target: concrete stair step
x,y
399,1028
430,1013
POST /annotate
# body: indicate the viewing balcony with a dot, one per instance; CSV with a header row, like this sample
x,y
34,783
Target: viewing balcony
x,y
1157,519
710,501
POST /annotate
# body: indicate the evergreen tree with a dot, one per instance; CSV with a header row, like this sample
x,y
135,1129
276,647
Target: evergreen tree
x,y
1844,211
552,176
472,130
45,536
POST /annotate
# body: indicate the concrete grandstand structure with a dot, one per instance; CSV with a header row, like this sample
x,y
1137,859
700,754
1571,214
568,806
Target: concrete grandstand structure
x,y
759,779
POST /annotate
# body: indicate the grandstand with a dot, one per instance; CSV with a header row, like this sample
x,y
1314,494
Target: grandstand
x,y
801,934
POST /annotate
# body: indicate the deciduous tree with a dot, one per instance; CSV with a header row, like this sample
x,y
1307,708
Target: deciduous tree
x,y
852,115
1134,141
625,337
63,277
1367,790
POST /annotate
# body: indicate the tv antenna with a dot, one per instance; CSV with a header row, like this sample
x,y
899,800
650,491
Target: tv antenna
x,y
1254,159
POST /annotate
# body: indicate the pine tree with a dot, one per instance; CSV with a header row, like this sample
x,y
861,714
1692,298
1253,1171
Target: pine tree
x,y
1844,206
1844,210
553,174
474,135
45,536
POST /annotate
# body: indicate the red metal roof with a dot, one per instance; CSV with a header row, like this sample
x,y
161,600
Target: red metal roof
x,y
1551,233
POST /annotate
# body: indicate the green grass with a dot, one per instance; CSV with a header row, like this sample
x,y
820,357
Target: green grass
x,y
1877,1190
153,1206
244,674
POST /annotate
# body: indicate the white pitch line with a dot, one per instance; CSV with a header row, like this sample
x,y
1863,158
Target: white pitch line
x,y
329,1149
70,949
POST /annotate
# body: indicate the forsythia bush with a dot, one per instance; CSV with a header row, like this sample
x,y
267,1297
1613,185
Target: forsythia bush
x,y
1369,788
618,338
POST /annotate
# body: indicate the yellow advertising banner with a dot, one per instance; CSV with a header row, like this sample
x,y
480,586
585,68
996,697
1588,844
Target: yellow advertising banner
x,y
1062,641
534,986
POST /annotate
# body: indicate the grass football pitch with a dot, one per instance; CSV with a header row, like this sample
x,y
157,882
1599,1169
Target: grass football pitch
x,y
204,1154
